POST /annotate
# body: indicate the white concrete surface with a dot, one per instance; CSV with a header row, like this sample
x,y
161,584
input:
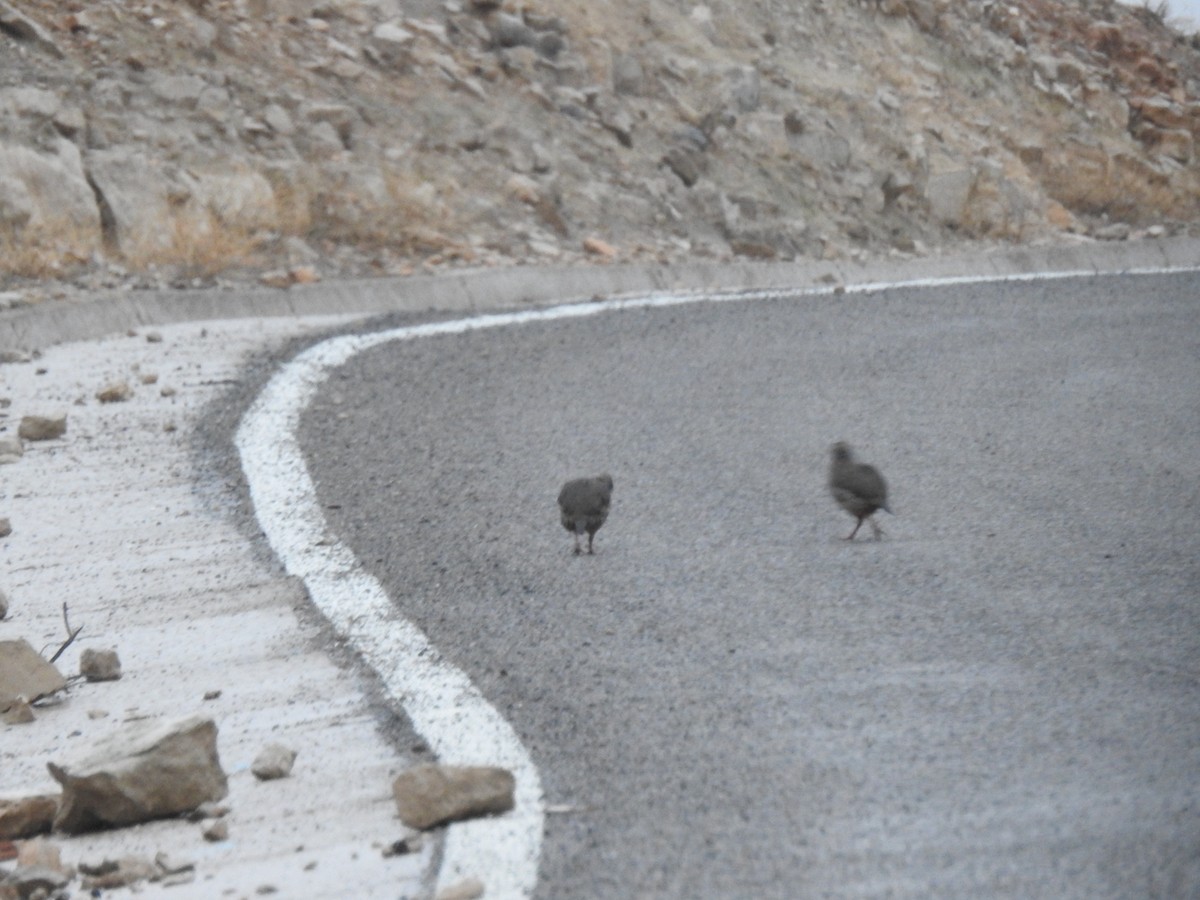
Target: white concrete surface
x,y
110,520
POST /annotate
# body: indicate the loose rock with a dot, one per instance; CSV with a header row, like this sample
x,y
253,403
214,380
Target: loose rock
x,y
20,713
42,428
11,450
431,795
273,761
467,889
99,665
145,771
24,674
216,831
117,392
26,817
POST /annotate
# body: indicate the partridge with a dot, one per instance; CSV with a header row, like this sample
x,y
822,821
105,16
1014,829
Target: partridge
x,y
584,504
858,488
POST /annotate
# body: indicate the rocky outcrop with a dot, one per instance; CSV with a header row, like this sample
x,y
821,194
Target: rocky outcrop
x,y
176,142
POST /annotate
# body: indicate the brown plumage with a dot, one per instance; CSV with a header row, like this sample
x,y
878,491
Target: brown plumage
x,y
857,487
584,504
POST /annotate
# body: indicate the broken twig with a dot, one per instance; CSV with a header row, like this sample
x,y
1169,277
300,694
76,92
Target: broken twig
x,y
71,635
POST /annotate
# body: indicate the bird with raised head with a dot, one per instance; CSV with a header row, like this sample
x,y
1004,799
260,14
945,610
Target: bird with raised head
x,y
858,488
584,504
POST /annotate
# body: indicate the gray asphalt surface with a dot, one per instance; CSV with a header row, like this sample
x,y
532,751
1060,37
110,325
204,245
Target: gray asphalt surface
x,y
1000,699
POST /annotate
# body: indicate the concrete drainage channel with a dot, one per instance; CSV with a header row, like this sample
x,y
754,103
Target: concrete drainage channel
x,y
504,850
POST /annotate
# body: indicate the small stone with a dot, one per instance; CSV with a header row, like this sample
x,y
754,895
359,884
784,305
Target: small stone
x,y
209,810
153,337
304,275
597,247
467,889
99,665
11,450
149,378
5,528
217,831
117,873
273,761
167,392
42,428
276,278
211,695
3,605
19,713
410,843
117,392
41,853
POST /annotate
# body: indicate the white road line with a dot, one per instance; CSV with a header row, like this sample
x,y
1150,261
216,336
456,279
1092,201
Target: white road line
x,y
445,707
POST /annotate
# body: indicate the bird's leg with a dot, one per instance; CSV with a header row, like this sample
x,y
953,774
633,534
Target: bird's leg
x,y
876,528
857,525
578,549
591,552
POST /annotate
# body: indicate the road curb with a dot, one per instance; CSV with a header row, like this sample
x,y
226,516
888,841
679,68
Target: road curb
x,y
36,327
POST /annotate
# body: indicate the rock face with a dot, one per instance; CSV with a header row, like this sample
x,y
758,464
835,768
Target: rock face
x,y
431,795
146,771
382,134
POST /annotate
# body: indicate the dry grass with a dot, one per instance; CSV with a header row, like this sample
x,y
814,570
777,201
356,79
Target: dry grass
x,y
403,212
196,246
45,252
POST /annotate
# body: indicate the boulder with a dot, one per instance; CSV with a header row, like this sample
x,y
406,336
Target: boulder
x,y
148,770
431,795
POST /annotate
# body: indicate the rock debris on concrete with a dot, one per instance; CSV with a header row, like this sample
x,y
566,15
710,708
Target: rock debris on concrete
x,y
115,523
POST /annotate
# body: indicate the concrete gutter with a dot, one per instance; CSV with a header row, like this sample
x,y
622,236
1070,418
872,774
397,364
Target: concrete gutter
x,y
480,290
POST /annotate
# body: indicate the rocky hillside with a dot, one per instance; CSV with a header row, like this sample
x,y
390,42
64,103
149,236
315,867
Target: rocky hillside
x,y
147,143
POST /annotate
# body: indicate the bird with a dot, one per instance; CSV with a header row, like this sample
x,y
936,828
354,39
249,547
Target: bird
x,y
584,505
858,488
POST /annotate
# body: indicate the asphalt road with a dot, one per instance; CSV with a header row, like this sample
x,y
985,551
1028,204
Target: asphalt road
x,y
1002,698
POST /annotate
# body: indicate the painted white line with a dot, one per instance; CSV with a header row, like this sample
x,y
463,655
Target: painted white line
x,y
445,707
